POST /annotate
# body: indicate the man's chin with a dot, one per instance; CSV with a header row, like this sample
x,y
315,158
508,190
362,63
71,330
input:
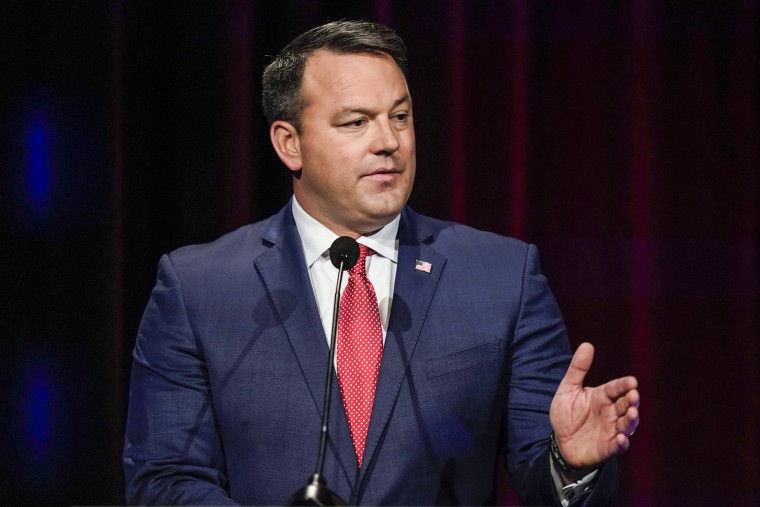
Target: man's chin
x,y
377,219
386,211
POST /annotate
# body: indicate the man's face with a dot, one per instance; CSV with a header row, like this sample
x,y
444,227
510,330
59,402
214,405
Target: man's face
x,y
357,149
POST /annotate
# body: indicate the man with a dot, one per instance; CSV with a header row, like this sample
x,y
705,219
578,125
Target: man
x,y
455,363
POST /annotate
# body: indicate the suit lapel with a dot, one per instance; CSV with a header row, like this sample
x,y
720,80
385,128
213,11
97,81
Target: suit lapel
x,y
282,269
413,293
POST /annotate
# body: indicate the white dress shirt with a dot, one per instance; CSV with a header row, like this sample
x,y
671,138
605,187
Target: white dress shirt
x,y
316,240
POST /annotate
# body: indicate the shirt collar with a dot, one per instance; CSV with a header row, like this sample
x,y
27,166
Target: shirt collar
x,y
317,239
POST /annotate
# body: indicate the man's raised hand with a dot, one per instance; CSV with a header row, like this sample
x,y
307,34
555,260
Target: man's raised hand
x,y
593,424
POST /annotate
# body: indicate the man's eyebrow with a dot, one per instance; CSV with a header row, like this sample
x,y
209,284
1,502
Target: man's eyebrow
x,y
369,112
401,100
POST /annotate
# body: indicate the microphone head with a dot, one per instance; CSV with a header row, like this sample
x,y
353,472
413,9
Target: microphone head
x,y
346,250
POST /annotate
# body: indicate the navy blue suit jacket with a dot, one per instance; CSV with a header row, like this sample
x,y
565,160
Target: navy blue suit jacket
x,y
229,371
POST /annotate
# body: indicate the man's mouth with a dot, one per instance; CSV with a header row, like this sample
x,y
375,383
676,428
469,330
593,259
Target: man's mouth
x,y
383,175
383,170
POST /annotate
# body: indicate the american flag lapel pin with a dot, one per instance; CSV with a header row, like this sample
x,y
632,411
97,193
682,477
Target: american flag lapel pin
x,y
423,266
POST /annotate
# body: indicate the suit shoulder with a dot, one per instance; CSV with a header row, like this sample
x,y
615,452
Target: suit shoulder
x,y
484,239
229,249
454,237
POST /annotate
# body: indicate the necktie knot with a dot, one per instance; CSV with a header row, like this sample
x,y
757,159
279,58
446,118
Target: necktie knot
x,y
360,268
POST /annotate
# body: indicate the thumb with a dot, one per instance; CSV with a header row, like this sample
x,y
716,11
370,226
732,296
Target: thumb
x,y
579,366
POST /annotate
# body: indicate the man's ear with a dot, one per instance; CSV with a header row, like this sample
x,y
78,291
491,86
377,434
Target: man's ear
x,y
287,144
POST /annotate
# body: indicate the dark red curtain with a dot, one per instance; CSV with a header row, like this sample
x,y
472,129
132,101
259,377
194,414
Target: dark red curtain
x,y
620,137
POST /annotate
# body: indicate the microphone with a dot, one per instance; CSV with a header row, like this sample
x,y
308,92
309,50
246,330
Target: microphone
x,y
344,253
346,250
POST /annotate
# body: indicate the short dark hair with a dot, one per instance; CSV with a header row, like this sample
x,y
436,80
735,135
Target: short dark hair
x,y
282,98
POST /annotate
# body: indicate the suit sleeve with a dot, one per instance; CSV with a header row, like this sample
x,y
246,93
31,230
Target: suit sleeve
x,y
540,355
172,451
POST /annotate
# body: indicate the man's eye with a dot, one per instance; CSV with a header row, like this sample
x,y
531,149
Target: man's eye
x,y
355,124
401,116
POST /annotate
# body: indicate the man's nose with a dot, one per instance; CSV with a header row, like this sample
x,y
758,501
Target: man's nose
x,y
385,138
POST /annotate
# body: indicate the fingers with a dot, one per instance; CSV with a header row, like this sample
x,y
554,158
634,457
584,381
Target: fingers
x,y
631,399
628,423
619,387
620,444
625,427
579,365
627,408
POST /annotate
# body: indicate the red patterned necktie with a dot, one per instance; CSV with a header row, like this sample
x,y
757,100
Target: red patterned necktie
x,y
360,347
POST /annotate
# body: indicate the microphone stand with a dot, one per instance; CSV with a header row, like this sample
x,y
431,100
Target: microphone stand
x,y
316,492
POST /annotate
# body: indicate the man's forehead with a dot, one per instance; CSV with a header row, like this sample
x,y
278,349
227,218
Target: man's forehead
x,y
341,76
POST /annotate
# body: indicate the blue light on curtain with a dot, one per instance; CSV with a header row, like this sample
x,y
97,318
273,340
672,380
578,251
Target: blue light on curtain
x,y
38,175
37,407
38,411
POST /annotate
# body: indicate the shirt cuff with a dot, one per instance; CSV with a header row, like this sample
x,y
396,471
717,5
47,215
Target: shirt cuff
x,y
567,494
